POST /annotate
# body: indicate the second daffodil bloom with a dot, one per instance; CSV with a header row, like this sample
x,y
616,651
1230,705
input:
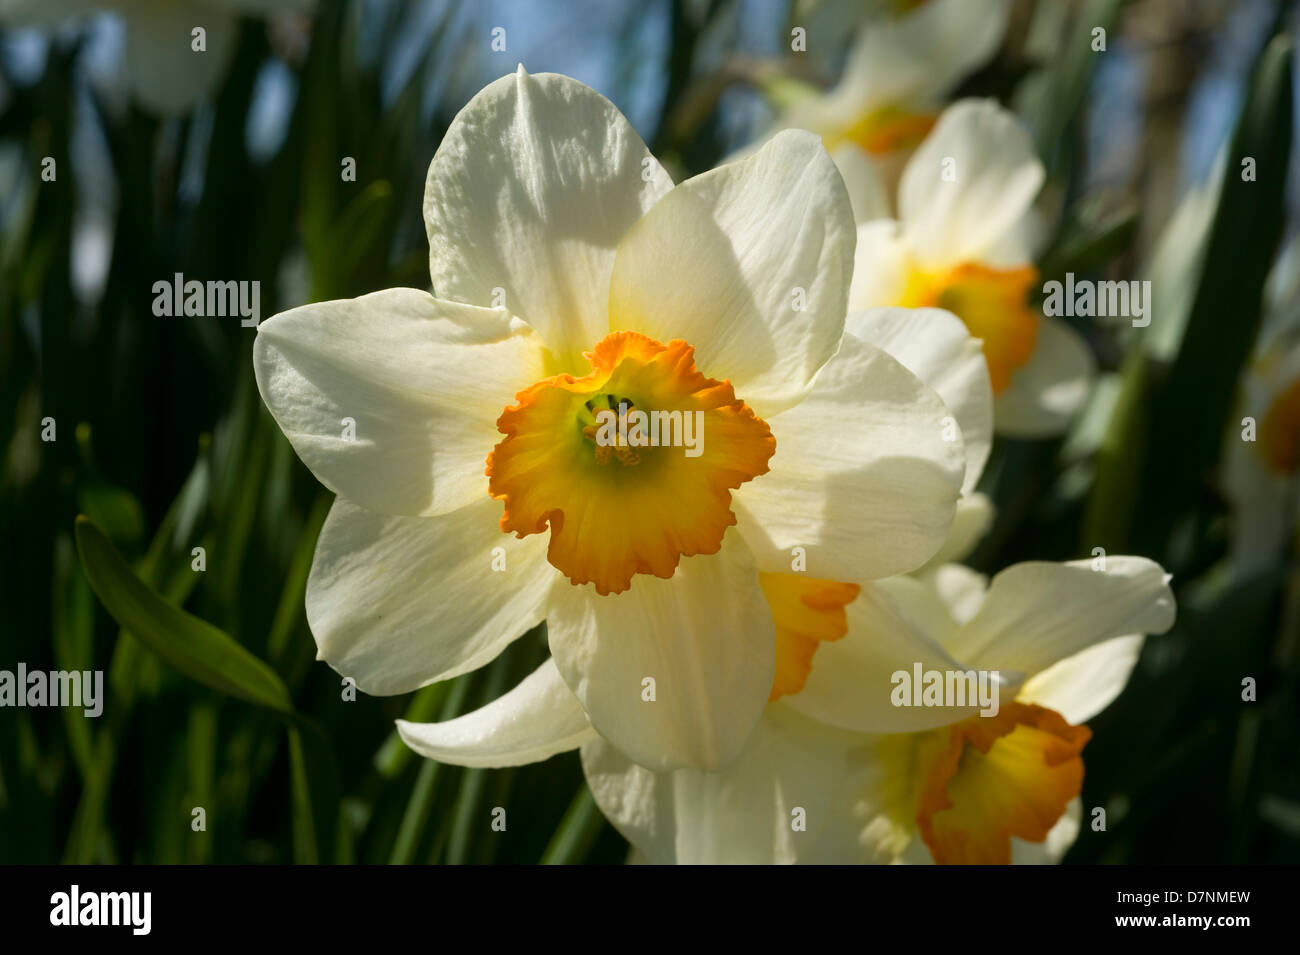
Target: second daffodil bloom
x,y
850,769
964,241
900,70
478,490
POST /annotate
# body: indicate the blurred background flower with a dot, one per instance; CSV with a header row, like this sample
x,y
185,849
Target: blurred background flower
x,y
299,162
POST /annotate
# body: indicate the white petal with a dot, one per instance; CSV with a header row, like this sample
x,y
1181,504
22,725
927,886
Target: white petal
x,y
972,520
535,183
851,682
725,260
937,347
880,266
1037,613
864,183
951,37
913,59
741,815
1081,686
1021,242
962,591
1047,392
907,62
398,602
166,75
995,174
706,639
534,721
423,382
862,477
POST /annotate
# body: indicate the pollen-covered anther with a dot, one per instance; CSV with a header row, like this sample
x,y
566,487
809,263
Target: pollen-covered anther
x,y
609,442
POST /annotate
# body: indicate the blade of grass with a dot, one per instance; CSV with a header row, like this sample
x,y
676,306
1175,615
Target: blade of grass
x,y
577,831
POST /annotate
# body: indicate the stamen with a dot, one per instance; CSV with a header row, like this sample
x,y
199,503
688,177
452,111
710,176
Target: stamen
x,y
620,450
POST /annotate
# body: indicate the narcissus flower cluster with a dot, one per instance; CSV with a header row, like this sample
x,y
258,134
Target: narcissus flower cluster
x,y
768,585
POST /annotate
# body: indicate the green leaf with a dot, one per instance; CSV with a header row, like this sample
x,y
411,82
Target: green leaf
x,y
192,646
577,831
215,659
1110,510
1190,410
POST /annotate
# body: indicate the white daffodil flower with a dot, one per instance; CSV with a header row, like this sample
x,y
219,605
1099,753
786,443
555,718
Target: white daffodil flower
x,y
964,241
899,72
1261,460
165,74
820,782
614,290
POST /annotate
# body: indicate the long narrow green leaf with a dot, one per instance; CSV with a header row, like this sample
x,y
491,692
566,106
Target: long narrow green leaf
x,y
214,658
192,646
576,832
1225,315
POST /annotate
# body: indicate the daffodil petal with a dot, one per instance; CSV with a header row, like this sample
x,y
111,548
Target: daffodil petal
x,y
972,179
920,604
961,591
907,61
864,478
750,263
951,37
1047,391
535,183
399,602
880,266
863,182
768,806
936,346
972,520
1081,686
851,682
392,398
537,719
1037,613
672,672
